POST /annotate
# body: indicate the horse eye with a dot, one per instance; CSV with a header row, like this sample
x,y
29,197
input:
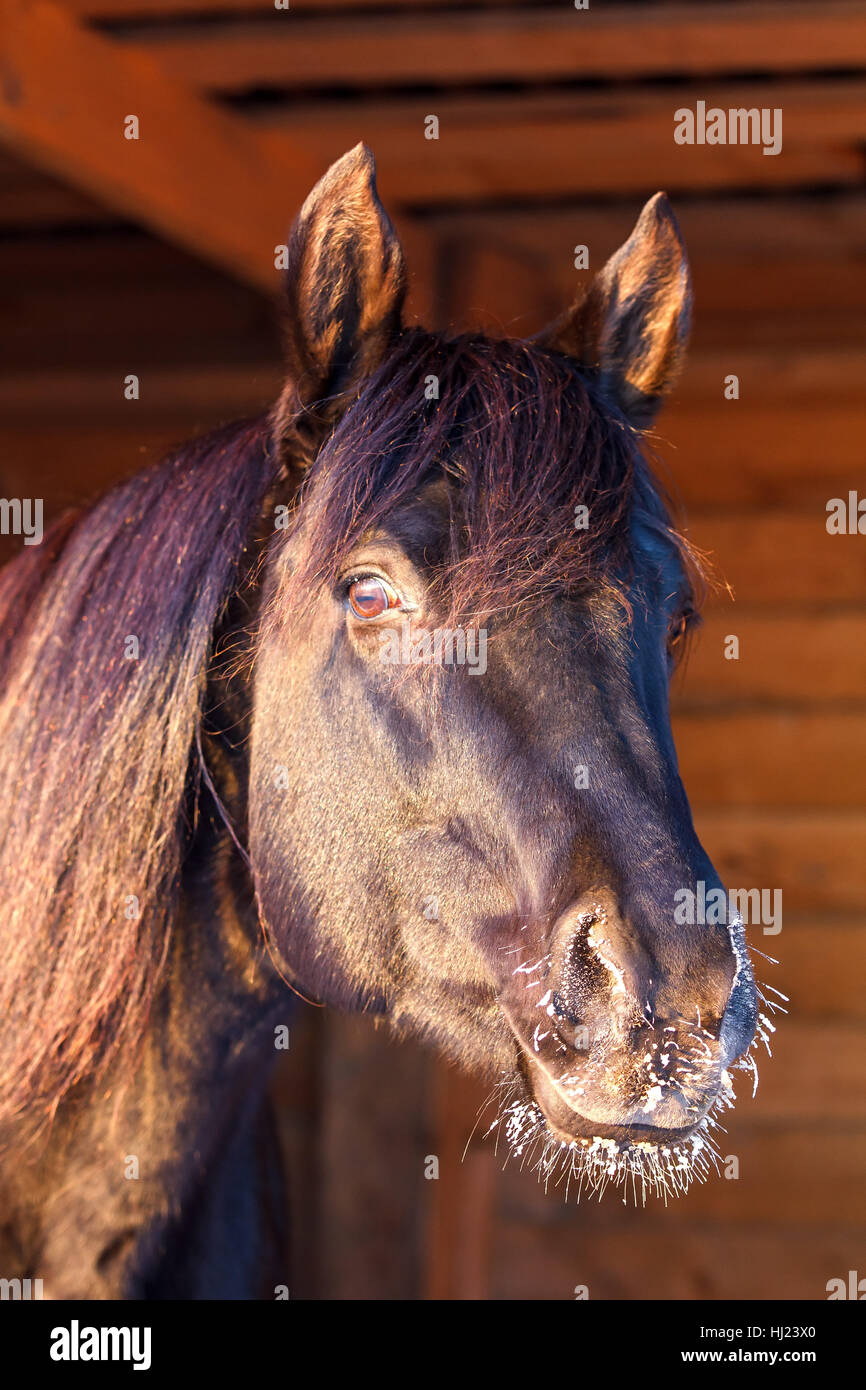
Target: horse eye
x,y
677,633
687,619
371,597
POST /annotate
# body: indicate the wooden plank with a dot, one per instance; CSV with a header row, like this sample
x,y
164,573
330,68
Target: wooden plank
x,y
773,758
135,271
760,453
495,290
643,1255
723,231
460,1200
167,396
543,44
820,968
121,11
802,1173
518,267
783,557
815,857
778,373
113,257
195,317
797,1086
782,657
779,1163
196,174
541,145
373,1147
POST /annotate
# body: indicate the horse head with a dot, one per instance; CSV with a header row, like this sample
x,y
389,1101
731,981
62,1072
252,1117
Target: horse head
x,y
465,811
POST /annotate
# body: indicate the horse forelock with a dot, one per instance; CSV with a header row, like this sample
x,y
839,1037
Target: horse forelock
x,y
542,477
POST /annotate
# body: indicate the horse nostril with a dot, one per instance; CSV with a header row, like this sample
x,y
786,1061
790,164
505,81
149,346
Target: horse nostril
x,y
561,1008
594,967
583,981
568,1025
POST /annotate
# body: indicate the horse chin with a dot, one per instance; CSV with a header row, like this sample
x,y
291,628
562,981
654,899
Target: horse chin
x,y
545,1132
566,1123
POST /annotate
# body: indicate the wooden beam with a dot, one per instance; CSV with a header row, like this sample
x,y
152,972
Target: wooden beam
x,y
782,557
461,1200
518,266
770,665
119,11
655,1254
543,44
581,144
818,858
176,395
773,758
196,174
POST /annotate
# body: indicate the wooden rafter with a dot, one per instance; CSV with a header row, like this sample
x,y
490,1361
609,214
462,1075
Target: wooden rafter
x,y
550,43
555,144
196,174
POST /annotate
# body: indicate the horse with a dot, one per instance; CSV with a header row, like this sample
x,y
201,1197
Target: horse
x,y
239,765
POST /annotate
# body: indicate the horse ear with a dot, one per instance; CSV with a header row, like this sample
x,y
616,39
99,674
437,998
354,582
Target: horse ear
x,y
345,284
633,324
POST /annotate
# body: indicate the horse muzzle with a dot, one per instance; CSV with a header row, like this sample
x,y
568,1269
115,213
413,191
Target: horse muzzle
x,y
618,1043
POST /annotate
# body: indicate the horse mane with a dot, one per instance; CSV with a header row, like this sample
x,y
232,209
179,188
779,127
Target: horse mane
x,y
96,752
524,436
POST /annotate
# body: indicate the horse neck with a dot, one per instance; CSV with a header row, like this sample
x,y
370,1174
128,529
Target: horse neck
x,y
184,1111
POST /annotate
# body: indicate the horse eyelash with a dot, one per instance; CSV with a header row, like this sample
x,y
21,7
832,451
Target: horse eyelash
x,y
345,584
354,575
686,623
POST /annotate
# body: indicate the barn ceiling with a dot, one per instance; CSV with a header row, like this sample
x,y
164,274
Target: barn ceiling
x,y
157,254
242,105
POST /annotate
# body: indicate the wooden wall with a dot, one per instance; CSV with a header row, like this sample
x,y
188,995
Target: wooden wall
x,y
550,136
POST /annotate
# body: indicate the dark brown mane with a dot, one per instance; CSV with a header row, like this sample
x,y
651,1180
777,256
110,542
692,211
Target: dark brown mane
x,y
96,749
